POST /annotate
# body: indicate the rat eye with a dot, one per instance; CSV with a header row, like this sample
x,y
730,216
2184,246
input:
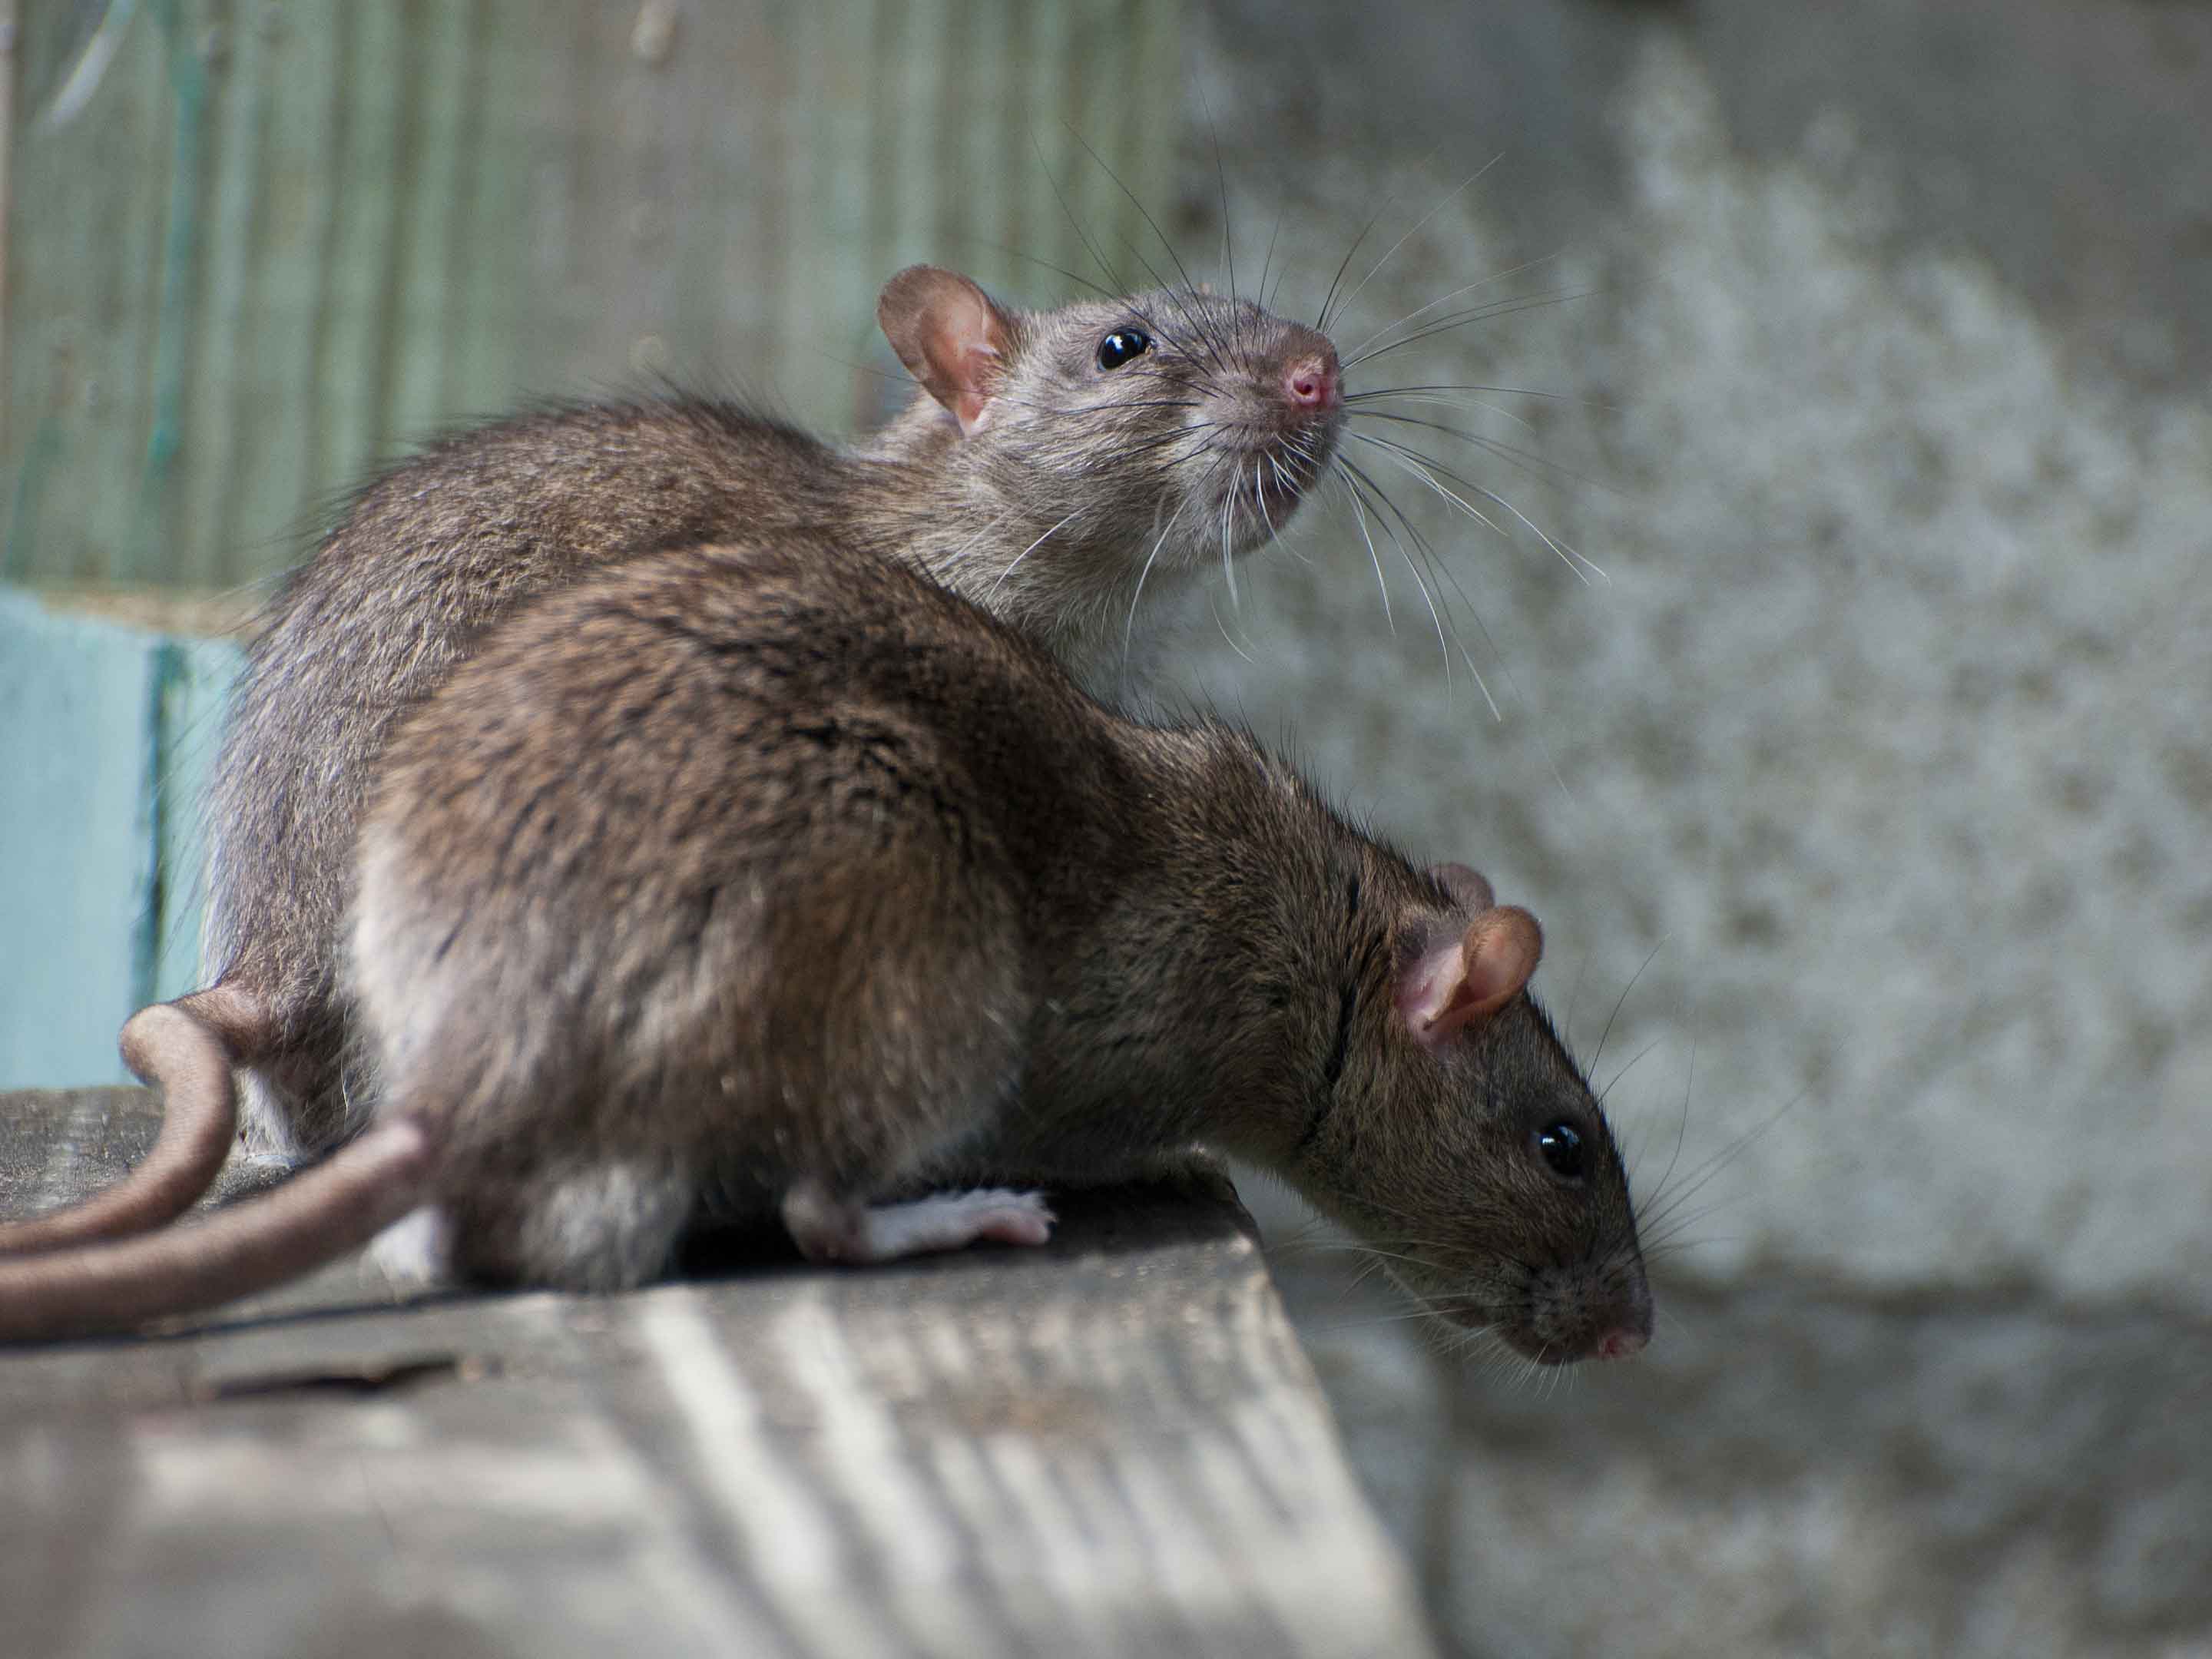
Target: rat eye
x,y
1562,1149
1123,344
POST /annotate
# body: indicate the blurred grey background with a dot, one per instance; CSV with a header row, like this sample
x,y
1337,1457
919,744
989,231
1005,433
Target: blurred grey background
x,y
1864,796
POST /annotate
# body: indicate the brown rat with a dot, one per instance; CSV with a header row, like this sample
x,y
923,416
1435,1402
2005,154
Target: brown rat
x,y
1054,466
772,880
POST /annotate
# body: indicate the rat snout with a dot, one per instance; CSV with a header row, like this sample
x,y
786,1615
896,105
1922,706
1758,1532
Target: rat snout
x,y
1630,1330
1312,381
1589,1311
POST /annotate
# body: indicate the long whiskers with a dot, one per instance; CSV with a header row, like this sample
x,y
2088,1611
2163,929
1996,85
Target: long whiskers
x,y
1504,307
1446,299
1401,531
1457,191
1359,516
1425,467
1030,549
1328,306
1524,460
1129,628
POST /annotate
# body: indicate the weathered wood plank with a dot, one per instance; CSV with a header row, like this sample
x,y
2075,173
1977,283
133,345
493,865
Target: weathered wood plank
x,y
1110,1447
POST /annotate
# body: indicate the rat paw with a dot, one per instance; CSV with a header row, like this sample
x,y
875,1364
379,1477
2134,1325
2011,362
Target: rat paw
x,y
828,1232
415,1253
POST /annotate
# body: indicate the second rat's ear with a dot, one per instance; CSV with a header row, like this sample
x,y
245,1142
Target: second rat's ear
x,y
951,337
1469,891
1453,984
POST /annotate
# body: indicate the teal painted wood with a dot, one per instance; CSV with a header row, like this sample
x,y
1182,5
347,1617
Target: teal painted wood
x,y
192,691
106,735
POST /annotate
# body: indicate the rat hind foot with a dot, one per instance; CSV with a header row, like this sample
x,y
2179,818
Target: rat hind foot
x,y
415,1253
827,1230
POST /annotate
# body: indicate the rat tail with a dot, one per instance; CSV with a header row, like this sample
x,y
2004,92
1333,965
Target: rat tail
x,y
185,1048
311,1218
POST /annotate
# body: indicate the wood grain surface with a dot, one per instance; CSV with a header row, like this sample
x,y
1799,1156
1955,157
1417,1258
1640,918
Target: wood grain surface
x,y
1111,1446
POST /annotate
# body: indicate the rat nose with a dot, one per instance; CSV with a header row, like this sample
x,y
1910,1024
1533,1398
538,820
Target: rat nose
x,y
1312,381
1630,1326
1619,1344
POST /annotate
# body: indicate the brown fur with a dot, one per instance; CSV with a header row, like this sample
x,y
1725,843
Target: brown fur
x,y
447,543
752,868
1053,491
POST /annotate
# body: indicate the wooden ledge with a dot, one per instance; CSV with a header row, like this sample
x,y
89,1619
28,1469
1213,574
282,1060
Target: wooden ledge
x,y
1112,1447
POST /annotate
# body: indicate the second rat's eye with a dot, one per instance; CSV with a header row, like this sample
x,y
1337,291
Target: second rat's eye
x,y
1123,344
1562,1149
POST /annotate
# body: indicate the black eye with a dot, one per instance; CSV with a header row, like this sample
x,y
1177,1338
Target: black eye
x,y
1562,1148
1123,344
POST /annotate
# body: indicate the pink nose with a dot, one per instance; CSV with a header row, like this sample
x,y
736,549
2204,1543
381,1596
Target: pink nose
x,y
1619,1344
1312,382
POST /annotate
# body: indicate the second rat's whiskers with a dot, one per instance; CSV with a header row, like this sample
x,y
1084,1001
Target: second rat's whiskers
x,y
1606,1092
1666,1218
1622,1000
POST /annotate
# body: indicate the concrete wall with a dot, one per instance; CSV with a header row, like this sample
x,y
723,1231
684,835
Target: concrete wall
x,y
1882,402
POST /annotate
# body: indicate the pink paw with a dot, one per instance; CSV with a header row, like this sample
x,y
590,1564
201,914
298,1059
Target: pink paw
x,y
944,1221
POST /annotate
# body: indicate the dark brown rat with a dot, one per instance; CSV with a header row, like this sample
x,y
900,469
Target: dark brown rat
x,y
774,880
1053,465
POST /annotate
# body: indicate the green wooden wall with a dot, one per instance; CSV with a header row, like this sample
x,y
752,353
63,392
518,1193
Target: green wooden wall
x,y
277,241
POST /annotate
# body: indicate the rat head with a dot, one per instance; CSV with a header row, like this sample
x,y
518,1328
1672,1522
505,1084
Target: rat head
x,y
1470,1150
1163,430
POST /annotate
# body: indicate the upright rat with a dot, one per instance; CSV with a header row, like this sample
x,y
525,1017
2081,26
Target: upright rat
x,y
1052,465
775,880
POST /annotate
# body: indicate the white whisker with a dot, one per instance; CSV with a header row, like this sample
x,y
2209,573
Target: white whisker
x,y
1030,549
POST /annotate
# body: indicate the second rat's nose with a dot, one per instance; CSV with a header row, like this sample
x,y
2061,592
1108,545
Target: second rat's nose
x,y
1631,1322
1620,1344
1312,382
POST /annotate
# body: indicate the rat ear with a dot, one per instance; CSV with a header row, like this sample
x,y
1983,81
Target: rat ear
x,y
1452,985
950,336
1467,888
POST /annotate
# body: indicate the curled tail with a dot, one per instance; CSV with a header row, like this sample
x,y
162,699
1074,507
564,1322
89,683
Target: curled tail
x,y
185,1048
311,1218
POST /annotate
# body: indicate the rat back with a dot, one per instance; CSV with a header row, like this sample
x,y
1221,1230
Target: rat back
x,y
427,556
1050,464
744,875
774,878
735,870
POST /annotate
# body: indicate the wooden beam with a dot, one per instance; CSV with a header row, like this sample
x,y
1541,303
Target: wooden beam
x,y
1110,1447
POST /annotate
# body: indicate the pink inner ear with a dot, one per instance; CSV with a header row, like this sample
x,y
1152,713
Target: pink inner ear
x,y
949,335
969,378
1454,985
